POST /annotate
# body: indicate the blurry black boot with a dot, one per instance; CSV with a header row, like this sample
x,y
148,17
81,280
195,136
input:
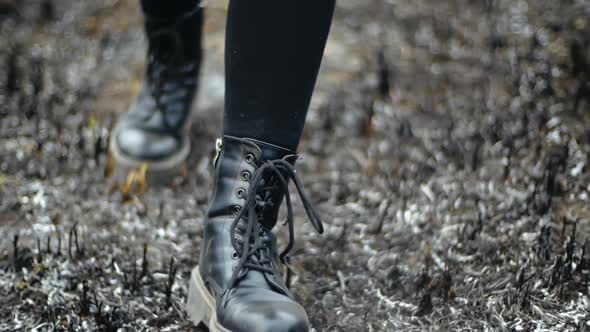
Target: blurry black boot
x,y
154,130
237,286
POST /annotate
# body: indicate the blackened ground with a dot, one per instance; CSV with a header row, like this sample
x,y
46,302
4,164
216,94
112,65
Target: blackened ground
x,y
446,149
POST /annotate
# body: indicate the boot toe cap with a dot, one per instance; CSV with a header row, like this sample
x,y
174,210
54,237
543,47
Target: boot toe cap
x,y
264,313
145,145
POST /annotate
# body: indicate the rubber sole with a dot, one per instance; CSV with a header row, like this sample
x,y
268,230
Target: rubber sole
x,y
171,162
200,305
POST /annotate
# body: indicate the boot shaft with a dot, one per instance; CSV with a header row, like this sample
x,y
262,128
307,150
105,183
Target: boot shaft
x,y
174,35
237,161
173,64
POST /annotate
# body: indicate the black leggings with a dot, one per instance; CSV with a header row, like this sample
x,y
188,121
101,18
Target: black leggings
x,y
273,51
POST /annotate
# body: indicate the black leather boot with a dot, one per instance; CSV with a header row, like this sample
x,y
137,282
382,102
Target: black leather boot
x,y
154,129
237,286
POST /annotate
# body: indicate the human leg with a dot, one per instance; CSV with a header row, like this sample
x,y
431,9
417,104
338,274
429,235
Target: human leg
x,y
153,131
272,59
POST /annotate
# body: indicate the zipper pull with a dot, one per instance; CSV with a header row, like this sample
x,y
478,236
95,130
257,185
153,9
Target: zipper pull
x,y
218,147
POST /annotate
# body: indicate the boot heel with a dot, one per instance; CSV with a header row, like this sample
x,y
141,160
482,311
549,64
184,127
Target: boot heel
x,y
200,306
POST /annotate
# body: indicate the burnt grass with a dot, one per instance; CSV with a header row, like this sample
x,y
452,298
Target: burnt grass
x,y
446,149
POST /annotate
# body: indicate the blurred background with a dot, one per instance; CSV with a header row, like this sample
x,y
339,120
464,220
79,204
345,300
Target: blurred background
x,y
446,148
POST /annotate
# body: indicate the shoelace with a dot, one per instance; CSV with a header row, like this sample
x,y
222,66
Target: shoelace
x,y
251,248
162,66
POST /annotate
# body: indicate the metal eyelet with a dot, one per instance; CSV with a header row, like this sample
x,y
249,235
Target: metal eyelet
x,y
246,176
236,209
235,255
241,193
250,158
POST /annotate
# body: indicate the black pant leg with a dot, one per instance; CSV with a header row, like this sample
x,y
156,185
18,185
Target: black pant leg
x,y
272,58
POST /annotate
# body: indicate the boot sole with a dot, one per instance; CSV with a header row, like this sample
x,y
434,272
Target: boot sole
x,y
171,162
200,305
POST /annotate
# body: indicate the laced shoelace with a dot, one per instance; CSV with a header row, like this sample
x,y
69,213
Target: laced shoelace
x,y
160,66
253,246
